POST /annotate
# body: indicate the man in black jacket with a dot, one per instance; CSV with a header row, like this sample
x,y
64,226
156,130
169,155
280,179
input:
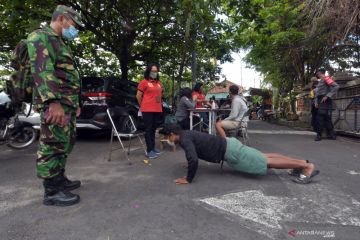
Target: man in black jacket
x,y
238,156
326,90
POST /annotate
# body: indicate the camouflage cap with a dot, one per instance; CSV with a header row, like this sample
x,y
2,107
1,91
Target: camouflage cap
x,y
71,13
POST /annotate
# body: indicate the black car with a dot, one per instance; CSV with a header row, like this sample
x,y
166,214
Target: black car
x,y
99,93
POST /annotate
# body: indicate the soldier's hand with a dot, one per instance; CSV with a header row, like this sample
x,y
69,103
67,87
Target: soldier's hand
x,y
56,114
324,99
78,112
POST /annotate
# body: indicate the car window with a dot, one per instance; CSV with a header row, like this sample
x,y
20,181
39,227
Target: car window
x,y
93,85
4,98
127,86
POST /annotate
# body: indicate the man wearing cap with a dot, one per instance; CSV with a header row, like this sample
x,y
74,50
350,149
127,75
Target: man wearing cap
x,y
56,98
326,89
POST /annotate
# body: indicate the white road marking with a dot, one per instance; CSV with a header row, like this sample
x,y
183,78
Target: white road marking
x,y
352,172
254,206
291,132
265,214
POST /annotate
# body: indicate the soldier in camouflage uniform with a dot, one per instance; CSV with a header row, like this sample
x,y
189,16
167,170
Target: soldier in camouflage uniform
x,y
56,97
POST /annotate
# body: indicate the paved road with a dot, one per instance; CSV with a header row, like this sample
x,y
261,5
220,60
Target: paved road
x,y
141,201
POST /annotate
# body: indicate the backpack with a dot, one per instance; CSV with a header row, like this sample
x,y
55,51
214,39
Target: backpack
x,y
20,84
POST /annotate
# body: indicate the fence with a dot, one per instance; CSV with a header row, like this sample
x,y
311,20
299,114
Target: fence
x,y
346,114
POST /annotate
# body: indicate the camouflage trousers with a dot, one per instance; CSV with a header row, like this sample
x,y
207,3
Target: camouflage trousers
x,y
55,144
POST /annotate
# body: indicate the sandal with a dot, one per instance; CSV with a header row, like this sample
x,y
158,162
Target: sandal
x,y
296,172
302,179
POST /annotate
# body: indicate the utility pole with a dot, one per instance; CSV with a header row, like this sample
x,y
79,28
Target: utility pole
x,y
241,75
241,72
193,68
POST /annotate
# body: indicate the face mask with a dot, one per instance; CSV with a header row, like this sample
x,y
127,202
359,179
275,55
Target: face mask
x,y
153,75
71,33
170,143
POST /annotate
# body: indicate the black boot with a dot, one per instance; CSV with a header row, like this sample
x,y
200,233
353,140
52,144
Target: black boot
x,y
55,194
318,138
68,184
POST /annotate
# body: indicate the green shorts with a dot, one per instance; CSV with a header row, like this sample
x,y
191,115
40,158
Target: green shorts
x,y
243,158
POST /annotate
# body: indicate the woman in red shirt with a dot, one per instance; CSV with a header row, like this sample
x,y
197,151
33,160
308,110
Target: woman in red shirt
x,y
149,97
200,96
201,102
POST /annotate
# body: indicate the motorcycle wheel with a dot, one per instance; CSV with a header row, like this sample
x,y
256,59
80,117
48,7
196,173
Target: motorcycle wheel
x,y
23,139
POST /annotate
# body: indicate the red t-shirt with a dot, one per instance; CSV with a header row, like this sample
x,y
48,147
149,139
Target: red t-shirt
x,y
152,96
200,97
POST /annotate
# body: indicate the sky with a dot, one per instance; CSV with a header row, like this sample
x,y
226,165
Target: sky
x,y
238,73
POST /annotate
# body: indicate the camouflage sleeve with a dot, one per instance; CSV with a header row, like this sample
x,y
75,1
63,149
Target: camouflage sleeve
x,y
42,66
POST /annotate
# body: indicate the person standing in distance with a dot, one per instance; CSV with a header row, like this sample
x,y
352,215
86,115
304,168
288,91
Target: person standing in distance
x,y
326,89
56,98
149,97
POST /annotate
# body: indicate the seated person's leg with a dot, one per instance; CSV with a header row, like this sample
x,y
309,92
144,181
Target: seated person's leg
x,y
185,123
220,130
222,126
196,121
205,118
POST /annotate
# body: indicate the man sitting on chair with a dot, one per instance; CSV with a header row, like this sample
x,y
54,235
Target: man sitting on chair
x,y
238,110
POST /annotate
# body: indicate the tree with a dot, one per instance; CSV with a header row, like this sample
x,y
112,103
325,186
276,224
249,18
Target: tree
x,y
339,21
340,18
282,44
134,32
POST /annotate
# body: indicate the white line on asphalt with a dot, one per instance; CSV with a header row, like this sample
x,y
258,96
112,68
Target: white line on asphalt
x,y
291,132
252,205
266,214
352,172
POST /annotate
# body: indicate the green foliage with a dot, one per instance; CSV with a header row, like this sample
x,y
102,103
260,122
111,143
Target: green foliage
x,y
282,43
256,100
123,36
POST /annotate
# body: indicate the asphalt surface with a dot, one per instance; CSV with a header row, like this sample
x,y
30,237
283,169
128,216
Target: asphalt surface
x,y
141,201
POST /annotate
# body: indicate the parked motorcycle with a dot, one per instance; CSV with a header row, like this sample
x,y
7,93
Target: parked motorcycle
x,y
13,132
28,115
265,113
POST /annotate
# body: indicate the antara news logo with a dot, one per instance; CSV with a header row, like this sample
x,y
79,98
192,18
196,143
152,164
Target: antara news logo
x,y
322,233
